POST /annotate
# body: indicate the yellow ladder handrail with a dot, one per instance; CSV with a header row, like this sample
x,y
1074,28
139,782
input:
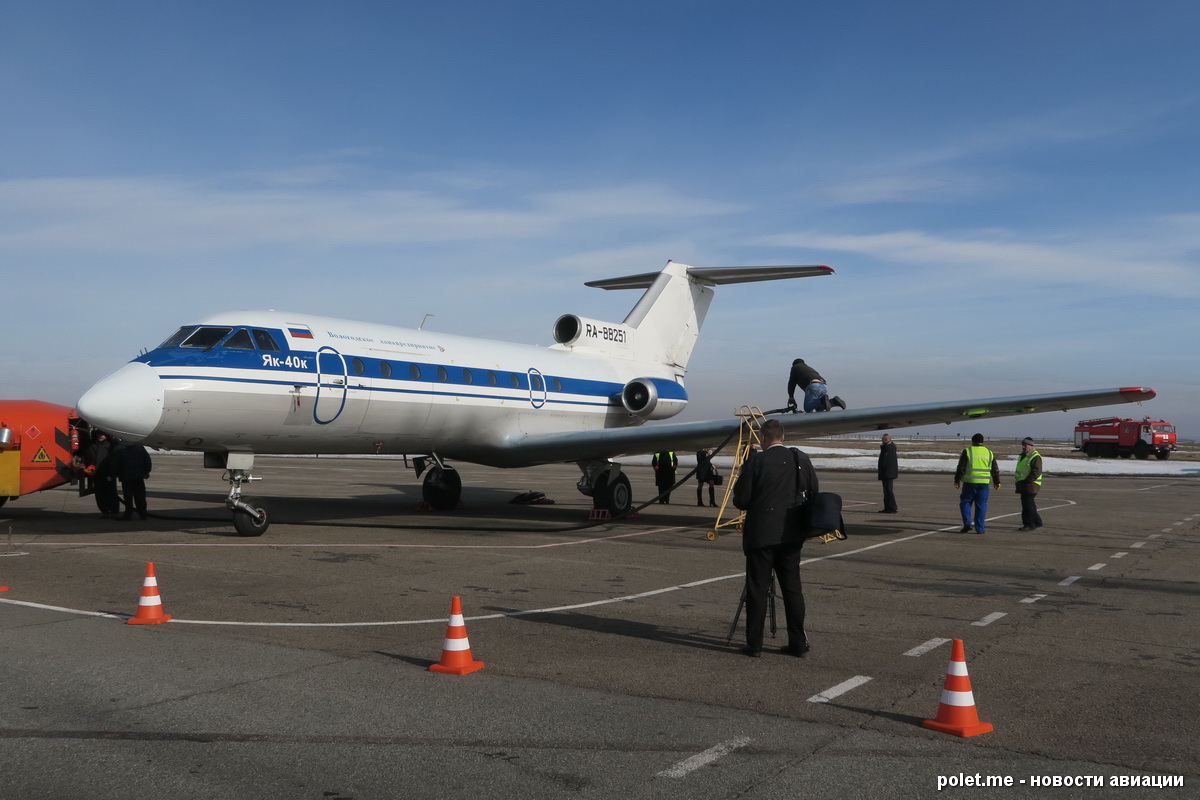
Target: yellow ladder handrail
x,y
752,419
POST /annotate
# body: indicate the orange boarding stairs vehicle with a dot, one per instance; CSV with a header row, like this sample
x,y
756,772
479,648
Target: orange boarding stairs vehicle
x,y
39,444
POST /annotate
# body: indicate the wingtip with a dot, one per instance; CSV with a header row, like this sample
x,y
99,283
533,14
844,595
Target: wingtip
x,y
1134,394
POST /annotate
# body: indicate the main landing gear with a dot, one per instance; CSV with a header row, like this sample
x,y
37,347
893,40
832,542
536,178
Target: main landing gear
x,y
608,487
250,514
442,488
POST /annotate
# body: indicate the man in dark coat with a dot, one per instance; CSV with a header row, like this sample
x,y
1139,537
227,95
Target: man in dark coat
x,y
771,490
705,473
130,463
664,474
889,470
104,482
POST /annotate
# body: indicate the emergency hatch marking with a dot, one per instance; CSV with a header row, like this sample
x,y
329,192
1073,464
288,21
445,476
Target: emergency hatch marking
x,y
1068,581
41,457
989,619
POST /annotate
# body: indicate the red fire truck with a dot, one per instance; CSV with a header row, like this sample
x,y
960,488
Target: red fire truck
x,y
1125,437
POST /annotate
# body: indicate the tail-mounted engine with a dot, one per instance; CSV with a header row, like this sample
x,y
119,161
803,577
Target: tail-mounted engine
x,y
653,398
613,338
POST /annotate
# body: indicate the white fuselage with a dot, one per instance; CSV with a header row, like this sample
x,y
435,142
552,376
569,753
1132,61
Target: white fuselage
x,y
276,382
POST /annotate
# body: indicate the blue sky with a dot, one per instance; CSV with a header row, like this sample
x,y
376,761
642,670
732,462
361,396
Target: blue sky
x,y
1007,191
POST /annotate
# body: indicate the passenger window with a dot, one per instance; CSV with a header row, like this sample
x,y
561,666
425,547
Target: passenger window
x,y
385,369
176,339
265,340
468,377
206,338
536,382
516,380
443,376
358,366
239,341
415,371
491,378
557,385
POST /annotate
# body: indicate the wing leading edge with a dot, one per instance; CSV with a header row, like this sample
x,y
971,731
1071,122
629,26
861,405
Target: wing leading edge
x,y
611,442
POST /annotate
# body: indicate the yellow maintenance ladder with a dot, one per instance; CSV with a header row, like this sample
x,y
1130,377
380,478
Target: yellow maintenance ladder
x,y
751,420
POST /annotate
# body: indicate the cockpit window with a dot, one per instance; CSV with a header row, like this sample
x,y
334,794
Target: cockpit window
x,y
205,338
176,338
239,341
265,340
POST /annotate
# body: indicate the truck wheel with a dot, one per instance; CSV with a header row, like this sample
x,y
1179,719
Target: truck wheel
x,y
1141,450
1090,450
1163,455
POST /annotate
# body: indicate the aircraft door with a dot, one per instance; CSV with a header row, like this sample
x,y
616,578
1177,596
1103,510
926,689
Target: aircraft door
x,y
331,386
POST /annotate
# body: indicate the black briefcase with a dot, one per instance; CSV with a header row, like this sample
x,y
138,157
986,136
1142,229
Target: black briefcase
x,y
825,517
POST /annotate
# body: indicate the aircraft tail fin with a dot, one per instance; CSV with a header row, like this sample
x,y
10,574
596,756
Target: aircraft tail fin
x,y
668,317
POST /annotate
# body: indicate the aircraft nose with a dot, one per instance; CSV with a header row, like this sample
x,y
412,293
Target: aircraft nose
x,y
127,404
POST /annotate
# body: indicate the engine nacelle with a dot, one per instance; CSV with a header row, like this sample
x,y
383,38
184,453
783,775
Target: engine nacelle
x,y
575,331
653,398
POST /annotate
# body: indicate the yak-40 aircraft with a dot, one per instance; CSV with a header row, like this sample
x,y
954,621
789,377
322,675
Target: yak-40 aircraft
x,y
239,384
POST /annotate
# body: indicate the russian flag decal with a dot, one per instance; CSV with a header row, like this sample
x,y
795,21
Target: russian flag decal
x,y
299,332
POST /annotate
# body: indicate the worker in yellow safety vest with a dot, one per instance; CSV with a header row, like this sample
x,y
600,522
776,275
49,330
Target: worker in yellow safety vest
x,y
1029,479
976,474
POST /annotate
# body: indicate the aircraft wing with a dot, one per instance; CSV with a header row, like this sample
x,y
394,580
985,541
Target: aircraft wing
x,y
683,436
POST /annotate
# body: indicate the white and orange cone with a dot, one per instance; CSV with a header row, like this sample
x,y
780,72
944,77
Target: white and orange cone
x,y
150,610
456,649
956,712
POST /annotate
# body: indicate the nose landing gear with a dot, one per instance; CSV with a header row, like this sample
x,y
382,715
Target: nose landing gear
x,y
251,516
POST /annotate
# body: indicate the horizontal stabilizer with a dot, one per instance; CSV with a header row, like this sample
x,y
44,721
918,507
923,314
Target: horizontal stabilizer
x,y
716,276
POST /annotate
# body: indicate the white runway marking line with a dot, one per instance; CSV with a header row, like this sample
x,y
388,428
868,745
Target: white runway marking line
x,y
1155,535
1095,567
922,649
1166,530
442,620
989,619
701,759
1068,581
840,689
1118,555
1138,544
1033,599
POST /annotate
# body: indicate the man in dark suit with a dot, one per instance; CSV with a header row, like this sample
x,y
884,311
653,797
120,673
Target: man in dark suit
x,y
771,490
889,470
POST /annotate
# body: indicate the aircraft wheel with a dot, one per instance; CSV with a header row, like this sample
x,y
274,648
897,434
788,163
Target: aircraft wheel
x,y
245,524
712,536
616,495
442,488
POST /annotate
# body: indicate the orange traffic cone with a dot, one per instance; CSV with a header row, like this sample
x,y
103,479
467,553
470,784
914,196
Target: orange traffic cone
x,y
149,604
956,712
456,650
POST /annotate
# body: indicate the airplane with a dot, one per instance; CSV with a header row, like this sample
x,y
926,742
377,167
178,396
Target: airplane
x,y
240,384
